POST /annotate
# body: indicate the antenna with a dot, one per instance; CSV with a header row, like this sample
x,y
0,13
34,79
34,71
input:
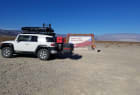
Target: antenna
x,y
44,25
50,26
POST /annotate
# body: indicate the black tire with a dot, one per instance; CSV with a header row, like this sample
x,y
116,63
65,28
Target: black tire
x,y
53,56
7,52
43,54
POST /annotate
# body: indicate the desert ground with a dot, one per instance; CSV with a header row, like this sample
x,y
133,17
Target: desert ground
x,y
112,71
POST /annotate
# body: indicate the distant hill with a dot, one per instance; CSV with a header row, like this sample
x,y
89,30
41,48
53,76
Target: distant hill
x,y
63,35
130,37
9,32
119,37
16,32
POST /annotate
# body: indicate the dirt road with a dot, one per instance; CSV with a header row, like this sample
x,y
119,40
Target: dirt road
x,y
113,71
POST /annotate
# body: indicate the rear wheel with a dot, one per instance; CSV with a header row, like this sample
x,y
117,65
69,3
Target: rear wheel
x,y
7,52
43,54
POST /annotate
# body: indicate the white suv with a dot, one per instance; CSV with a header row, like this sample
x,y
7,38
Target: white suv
x,y
41,45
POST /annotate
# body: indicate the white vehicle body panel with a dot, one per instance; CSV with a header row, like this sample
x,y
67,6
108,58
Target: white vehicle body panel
x,y
25,46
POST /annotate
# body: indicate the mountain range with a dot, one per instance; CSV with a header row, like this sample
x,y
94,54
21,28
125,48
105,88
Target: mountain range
x,y
9,32
130,37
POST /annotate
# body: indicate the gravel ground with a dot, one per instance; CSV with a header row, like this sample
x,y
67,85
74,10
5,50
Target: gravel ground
x,y
113,71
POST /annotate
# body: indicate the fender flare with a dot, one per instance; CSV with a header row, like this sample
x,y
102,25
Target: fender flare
x,y
40,47
7,45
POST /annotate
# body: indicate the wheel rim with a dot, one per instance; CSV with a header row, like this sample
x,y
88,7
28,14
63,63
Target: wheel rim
x,y
43,54
6,52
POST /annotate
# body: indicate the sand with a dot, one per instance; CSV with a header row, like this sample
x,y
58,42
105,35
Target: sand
x,y
113,71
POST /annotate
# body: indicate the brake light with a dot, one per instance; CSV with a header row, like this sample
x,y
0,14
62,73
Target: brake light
x,y
52,44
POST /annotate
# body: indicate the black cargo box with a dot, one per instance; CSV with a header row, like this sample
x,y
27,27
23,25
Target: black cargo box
x,y
38,30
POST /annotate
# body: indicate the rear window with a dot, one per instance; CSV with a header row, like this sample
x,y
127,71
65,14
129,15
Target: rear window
x,y
50,39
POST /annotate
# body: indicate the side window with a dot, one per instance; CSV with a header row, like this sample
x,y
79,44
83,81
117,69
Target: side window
x,y
34,39
24,38
50,39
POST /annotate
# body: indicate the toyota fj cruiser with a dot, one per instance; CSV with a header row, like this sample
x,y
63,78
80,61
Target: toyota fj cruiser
x,y
41,45
40,41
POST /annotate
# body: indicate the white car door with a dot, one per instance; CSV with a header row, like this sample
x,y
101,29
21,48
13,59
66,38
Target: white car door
x,y
26,43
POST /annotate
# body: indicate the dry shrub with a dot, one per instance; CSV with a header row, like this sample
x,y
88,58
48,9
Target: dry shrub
x,y
106,46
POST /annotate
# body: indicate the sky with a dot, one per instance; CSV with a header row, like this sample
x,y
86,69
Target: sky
x,y
73,16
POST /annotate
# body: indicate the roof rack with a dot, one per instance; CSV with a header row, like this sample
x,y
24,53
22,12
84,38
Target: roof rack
x,y
38,30
43,33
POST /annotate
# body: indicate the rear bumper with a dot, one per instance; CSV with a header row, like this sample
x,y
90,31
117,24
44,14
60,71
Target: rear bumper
x,y
53,50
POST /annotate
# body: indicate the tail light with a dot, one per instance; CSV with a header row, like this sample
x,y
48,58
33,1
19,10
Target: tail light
x,y
52,44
